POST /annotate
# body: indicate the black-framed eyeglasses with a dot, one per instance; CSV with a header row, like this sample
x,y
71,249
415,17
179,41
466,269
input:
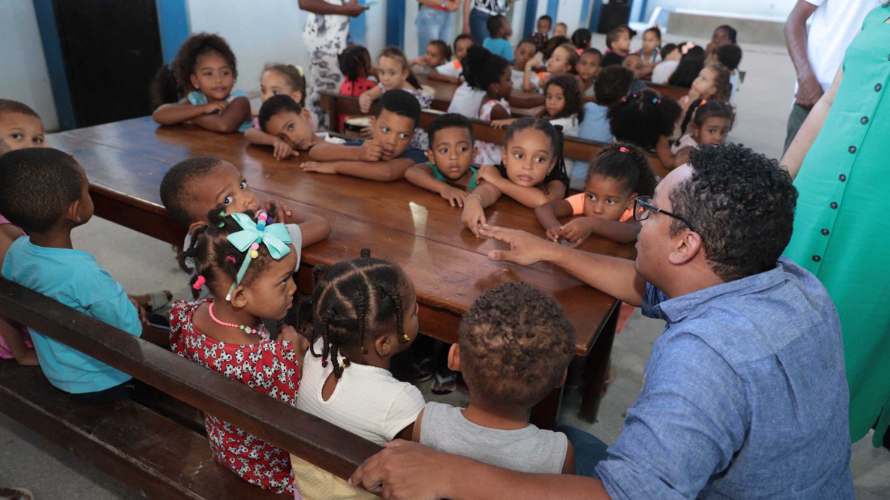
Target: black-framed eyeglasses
x,y
642,209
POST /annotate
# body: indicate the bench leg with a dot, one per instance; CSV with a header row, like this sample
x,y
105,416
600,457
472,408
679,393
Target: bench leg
x,y
597,369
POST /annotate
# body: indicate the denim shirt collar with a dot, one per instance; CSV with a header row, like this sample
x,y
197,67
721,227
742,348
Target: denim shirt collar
x,y
677,309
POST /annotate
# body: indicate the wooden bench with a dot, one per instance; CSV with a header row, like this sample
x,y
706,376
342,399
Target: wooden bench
x,y
574,148
671,90
163,456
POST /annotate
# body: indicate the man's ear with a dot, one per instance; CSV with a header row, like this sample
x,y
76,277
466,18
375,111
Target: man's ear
x,y
454,358
562,378
194,79
686,247
73,212
240,297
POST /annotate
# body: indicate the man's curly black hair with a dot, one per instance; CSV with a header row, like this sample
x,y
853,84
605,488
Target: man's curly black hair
x,y
741,203
515,344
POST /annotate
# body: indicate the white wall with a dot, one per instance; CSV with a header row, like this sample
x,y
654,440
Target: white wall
x,y
768,8
23,73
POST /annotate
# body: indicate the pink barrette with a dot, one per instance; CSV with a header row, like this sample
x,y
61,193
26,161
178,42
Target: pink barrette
x,y
623,149
199,282
686,48
231,259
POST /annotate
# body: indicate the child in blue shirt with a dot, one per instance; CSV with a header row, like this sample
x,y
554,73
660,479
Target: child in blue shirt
x,y
498,41
45,192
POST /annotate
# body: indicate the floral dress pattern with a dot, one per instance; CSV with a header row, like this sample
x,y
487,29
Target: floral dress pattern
x,y
269,367
489,153
324,37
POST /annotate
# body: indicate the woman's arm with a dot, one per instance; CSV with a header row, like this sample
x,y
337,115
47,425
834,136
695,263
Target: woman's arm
x,y
321,7
468,6
229,120
811,127
174,113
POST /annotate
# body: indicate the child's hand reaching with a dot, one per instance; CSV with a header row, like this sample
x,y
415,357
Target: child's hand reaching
x,y
282,150
364,102
553,233
371,150
506,122
454,195
473,216
320,167
282,210
576,231
215,107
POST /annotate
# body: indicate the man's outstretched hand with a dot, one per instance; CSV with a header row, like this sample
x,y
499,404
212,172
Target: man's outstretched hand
x,y
525,249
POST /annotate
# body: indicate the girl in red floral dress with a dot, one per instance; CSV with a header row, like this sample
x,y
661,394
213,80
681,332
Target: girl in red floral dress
x,y
251,265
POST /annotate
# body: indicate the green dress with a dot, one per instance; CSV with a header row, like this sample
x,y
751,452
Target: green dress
x,y
842,222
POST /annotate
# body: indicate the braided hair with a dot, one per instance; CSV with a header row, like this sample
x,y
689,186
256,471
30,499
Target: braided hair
x,y
354,300
215,258
355,63
553,131
643,117
626,163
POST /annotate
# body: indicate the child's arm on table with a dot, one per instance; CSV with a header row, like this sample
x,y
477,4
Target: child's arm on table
x,y
12,334
532,197
421,175
280,149
174,113
313,227
435,75
578,230
669,160
381,171
481,198
548,214
365,100
370,150
229,120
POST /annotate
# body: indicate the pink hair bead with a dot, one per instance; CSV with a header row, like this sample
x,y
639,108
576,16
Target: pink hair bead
x,y
263,216
255,246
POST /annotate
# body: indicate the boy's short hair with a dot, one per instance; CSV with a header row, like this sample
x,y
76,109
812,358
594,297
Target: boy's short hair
x,y
667,49
10,106
729,56
37,185
612,83
401,103
277,104
547,18
176,182
450,120
515,344
494,24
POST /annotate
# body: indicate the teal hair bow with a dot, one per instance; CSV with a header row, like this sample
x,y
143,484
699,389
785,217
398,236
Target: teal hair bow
x,y
253,234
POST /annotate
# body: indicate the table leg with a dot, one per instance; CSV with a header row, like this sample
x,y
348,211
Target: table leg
x,y
597,368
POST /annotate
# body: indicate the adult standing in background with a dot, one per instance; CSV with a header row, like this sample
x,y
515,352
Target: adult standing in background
x,y
476,14
839,164
818,54
433,22
324,37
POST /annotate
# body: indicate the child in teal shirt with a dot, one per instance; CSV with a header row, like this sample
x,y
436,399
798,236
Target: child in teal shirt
x,y
45,192
499,34
450,166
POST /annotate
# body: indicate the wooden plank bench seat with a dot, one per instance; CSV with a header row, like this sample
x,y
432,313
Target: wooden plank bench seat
x,y
141,446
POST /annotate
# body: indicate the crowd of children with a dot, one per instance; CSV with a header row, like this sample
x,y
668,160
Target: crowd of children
x,y
242,249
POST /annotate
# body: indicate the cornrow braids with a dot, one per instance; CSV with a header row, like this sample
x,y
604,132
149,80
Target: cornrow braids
x,y
216,259
355,299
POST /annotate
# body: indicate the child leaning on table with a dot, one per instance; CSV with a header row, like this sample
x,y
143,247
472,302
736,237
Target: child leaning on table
x,y
533,172
619,174
363,312
449,166
289,122
514,348
191,188
205,71
387,155
46,262
247,262
279,80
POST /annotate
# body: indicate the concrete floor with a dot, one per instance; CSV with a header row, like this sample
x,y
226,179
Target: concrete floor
x,y
142,264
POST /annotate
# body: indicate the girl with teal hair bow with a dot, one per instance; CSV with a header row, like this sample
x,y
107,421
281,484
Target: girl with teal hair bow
x,y
251,264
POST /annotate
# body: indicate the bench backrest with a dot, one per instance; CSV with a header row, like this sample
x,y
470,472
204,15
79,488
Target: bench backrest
x,y
318,442
574,148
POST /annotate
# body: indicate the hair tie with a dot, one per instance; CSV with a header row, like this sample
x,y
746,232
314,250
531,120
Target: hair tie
x,y
274,236
199,282
655,100
623,149
624,99
231,259
686,48
299,69
703,102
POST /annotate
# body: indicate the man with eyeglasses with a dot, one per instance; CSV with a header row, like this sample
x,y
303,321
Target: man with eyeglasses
x,y
744,395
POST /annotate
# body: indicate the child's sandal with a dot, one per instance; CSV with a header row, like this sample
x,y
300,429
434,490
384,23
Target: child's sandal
x,y
444,384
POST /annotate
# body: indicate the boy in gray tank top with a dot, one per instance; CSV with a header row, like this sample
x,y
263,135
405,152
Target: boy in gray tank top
x,y
514,348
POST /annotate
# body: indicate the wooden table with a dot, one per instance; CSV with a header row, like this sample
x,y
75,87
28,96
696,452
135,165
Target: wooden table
x,y
125,162
523,102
